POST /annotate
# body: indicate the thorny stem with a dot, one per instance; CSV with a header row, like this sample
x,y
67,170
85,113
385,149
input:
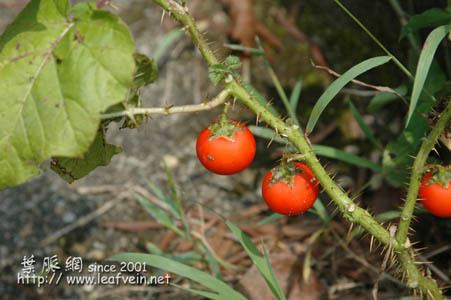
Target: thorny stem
x,y
348,208
180,13
417,172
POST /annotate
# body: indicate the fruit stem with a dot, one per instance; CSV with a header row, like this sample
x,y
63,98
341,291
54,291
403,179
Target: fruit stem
x,y
224,119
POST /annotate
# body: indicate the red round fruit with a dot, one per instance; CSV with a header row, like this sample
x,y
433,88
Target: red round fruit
x,y
436,197
292,195
226,155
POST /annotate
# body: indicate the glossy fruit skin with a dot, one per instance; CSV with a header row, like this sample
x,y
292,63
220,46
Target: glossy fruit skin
x,y
291,200
435,198
226,156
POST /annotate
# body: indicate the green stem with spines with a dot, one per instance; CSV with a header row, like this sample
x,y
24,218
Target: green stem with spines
x,y
417,172
349,209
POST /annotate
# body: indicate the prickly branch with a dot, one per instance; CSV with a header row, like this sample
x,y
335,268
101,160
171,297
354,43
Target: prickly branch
x,y
350,210
417,172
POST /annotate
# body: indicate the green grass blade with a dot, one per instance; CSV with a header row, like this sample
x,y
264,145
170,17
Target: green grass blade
x,y
432,18
189,257
261,262
424,63
383,98
321,211
204,294
183,270
153,249
365,129
352,159
159,214
375,39
338,84
236,47
277,84
267,133
172,207
212,263
320,150
269,219
176,199
296,95
280,294
168,40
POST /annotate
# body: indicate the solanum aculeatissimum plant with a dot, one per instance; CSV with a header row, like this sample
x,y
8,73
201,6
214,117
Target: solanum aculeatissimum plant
x,y
67,71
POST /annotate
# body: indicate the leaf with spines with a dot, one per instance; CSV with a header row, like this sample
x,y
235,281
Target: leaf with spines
x,y
60,68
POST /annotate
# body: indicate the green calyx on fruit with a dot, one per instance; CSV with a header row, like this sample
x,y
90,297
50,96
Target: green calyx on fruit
x,y
285,172
224,127
440,175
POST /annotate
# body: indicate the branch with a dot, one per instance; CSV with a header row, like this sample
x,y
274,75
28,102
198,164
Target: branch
x,y
218,100
417,172
348,208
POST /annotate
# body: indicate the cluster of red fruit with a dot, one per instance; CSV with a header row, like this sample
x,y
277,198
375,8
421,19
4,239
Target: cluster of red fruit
x,y
290,188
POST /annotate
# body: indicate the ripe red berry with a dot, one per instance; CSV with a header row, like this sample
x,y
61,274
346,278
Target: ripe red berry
x,y
290,189
226,150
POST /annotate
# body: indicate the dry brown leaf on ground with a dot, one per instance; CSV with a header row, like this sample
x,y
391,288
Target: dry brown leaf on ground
x,y
288,271
252,211
298,232
102,3
13,4
265,34
184,246
245,25
262,230
166,239
244,22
